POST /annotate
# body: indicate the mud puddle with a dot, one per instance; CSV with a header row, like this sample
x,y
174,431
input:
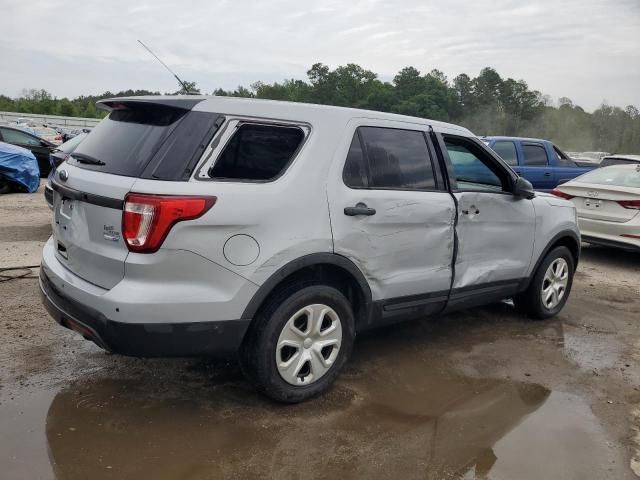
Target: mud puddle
x,y
392,415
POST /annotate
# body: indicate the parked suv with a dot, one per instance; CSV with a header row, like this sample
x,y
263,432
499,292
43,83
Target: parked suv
x,y
278,231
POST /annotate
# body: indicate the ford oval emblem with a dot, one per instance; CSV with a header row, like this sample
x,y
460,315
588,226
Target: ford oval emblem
x,y
63,175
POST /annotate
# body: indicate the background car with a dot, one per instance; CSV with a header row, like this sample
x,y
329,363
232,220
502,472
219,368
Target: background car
x,y
40,147
18,169
539,161
49,134
620,160
61,153
608,205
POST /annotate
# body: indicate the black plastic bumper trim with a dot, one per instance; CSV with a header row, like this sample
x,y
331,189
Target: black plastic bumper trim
x,y
218,339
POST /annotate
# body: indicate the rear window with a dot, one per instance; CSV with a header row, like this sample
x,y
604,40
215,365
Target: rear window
x,y
148,141
606,162
618,176
127,139
257,152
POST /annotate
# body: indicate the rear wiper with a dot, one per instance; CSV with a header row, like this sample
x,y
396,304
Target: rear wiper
x,y
82,158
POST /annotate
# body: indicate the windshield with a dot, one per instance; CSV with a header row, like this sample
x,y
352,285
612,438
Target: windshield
x,y
616,175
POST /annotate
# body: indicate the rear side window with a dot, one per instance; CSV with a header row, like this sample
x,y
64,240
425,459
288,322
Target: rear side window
x,y
507,151
534,155
257,152
14,136
397,159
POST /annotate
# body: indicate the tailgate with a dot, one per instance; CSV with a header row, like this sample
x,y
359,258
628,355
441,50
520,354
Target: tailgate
x,y
87,217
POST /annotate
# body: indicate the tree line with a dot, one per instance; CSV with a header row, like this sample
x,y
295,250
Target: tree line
x,y
487,104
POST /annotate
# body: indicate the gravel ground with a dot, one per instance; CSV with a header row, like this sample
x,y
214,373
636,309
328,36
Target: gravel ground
x,y
476,394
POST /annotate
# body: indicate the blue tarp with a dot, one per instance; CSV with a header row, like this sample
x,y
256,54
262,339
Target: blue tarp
x,y
18,165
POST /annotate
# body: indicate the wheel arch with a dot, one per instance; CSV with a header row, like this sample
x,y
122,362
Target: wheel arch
x,y
330,268
566,238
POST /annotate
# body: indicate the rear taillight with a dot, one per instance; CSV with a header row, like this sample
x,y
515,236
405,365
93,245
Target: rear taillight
x,y
560,194
630,235
635,204
147,219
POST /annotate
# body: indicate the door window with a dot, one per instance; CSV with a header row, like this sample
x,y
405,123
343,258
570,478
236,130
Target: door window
x,y
16,137
534,155
355,172
507,151
396,159
473,168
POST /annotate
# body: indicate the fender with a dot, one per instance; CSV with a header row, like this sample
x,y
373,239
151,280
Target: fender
x,y
307,261
563,234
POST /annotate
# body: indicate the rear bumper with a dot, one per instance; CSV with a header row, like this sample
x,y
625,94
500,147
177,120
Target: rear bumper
x,y
219,338
607,242
611,233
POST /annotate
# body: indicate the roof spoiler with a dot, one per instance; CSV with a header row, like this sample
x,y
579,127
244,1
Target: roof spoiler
x,y
123,103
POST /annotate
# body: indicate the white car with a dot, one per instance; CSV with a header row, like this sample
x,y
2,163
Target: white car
x,y
608,205
49,134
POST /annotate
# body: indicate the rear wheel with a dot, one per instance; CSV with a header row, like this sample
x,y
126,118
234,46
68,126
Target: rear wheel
x,y
299,343
5,186
550,287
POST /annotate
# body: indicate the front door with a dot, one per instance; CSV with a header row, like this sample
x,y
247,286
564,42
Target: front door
x,y
495,229
392,216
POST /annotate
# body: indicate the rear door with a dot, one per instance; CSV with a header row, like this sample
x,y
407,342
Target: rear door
x,y
135,141
391,215
535,165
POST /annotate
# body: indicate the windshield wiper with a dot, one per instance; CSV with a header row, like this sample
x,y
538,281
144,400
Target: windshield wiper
x,y
82,158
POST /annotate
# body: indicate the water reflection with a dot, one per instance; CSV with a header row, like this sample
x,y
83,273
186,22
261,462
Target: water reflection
x,y
443,425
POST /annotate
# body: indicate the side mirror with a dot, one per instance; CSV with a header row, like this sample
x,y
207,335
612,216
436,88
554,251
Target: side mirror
x,y
523,188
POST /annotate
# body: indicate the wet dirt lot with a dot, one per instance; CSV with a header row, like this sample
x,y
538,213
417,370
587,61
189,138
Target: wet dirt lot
x,y
474,395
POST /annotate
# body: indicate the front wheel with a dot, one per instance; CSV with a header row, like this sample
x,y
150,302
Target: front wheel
x,y
299,343
550,287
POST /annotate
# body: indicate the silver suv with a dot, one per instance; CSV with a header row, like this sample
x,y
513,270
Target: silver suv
x,y
278,231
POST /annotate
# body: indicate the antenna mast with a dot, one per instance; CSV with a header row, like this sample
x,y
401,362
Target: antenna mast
x,y
184,85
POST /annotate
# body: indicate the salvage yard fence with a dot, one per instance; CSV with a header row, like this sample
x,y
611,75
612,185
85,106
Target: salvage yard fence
x,y
12,117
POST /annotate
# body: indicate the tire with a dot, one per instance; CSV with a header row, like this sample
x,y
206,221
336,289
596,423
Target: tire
x,y
534,302
5,186
286,320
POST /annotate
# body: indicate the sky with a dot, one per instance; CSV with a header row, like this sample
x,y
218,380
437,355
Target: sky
x,y
587,50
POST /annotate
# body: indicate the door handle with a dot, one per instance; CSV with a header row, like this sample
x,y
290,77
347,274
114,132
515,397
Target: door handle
x,y
471,211
547,174
359,209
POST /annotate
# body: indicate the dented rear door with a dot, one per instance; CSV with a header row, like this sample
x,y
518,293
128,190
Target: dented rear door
x,y
391,215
